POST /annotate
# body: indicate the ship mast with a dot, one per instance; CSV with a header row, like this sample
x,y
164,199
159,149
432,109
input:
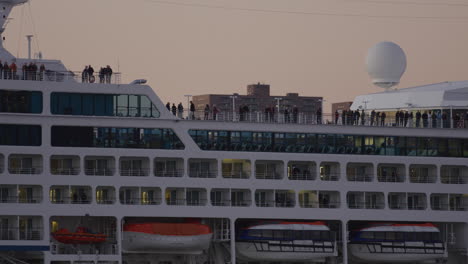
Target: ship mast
x,y
5,9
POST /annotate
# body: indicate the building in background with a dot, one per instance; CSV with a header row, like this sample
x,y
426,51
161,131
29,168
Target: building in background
x,y
258,99
341,106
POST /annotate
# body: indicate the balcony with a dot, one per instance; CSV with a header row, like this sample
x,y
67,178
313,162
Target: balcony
x,y
220,197
30,194
133,166
302,170
240,198
8,193
70,194
99,166
365,200
236,169
423,173
196,197
25,164
329,199
454,174
168,167
265,198
21,228
360,172
407,201
105,195
285,198
203,168
449,202
175,196
329,171
129,195
270,170
308,199
391,173
65,165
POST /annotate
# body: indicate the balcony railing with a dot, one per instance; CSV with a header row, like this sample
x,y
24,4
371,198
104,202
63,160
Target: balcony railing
x,y
30,200
99,172
65,171
169,173
360,177
301,176
366,205
422,179
197,202
286,203
140,201
240,203
9,199
448,207
177,202
330,177
268,175
203,173
71,200
26,171
105,201
452,179
390,178
221,203
236,175
21,234
134,172
265,203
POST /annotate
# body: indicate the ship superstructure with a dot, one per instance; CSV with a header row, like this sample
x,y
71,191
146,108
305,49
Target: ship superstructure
x,y
104,173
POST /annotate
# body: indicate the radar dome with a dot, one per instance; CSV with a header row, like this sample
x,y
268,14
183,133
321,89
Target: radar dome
x,y
386,63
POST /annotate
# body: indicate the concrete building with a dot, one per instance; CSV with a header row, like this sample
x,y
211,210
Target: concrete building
x,y
258,98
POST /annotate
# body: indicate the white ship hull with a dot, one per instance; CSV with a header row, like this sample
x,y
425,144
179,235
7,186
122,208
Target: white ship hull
x,y
251,252
142,242
377,254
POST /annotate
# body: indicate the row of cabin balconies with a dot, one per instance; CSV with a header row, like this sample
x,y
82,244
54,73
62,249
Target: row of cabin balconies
x,y
21,227
107,195
237,169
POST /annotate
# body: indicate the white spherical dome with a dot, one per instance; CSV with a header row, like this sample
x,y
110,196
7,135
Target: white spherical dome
x,y
386,63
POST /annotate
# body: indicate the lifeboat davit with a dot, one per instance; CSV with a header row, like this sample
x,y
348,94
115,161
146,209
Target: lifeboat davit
x,y
398,243
180,238
286,241
81,236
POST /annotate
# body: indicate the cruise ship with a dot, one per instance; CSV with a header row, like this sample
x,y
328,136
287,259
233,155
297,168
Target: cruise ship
x,y
101,172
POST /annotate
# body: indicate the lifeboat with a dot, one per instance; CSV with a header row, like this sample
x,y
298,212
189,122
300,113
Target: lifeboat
x,y
286,241
180,238
398,243
81,236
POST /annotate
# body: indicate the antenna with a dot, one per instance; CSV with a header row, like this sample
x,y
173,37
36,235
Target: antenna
x,y
29,37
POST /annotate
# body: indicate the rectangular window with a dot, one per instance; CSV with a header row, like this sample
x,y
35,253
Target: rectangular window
x,y
20,135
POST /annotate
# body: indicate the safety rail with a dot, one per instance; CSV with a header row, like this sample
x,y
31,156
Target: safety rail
x,y
311,118
448,207
60,76
268,175
285,204
169,173
99,172
134,172
404,248
65,171
178,202
308,246
196,202
241,203
20,234
265,203
94,249
221,203
390,178
70,200
26,171
203,173
105,201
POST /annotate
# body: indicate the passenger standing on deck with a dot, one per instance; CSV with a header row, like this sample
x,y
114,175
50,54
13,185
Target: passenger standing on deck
x,y
215,112
192,110
174,109
84,75
101,75
180,111
168,106
108,75
91,74
424,117
206,112
295,114
337,116
382,118
14,69
406,116
319,116
5,70
372,117
418,118
42,72
363,117
434,119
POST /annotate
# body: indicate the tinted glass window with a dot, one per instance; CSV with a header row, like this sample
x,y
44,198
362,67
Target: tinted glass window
x,y
20,102
20,135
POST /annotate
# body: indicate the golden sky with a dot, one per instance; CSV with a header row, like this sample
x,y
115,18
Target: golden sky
x,y
313,47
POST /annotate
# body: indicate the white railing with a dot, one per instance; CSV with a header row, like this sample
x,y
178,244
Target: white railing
x,y
60,76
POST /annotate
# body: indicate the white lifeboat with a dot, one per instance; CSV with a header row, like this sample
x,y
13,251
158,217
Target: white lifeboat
x,y
286,241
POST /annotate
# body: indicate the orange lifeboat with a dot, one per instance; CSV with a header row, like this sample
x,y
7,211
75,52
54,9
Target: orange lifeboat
x,y
82,235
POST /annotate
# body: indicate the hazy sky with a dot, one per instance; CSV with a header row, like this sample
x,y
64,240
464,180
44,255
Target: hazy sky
x,y
314,47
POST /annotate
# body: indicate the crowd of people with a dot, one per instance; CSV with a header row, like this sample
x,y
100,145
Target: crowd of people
x,y
424,119
29,71
104,74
